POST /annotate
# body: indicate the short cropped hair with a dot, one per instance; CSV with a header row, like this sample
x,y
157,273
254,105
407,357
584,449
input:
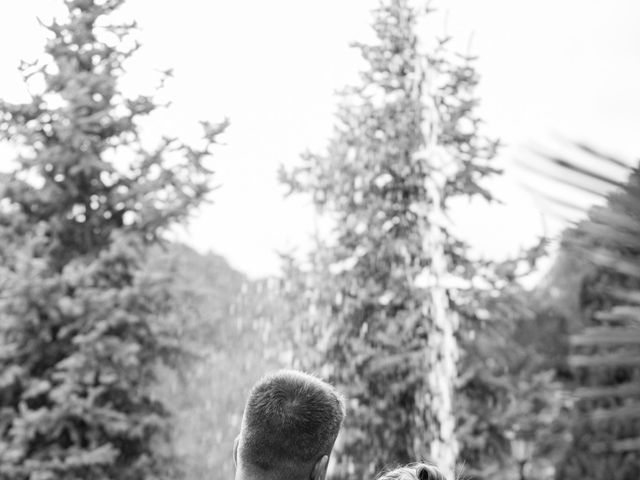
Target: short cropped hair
x,y
414,471
291,418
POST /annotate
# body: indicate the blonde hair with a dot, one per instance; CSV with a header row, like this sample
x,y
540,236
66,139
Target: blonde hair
x,y
414,471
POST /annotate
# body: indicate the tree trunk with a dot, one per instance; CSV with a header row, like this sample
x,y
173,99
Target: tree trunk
x,y
442,322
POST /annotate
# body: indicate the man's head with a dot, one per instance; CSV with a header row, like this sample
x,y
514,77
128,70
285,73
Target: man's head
x,y
289,426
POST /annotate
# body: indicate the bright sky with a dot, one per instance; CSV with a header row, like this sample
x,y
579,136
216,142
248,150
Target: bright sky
x,y
549,70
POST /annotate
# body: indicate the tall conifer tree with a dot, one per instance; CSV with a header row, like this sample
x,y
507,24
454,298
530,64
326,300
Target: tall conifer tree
x,y
377,304
81,325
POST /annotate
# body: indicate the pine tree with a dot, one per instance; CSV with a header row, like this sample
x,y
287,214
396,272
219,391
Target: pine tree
x,y
378,310
81,324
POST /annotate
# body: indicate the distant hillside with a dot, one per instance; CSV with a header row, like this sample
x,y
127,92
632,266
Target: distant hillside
x,y
216,316
207,287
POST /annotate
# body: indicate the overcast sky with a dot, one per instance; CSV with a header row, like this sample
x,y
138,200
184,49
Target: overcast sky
x,y
549,70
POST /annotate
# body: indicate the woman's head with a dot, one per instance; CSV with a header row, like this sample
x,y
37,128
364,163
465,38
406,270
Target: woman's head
x,y
414,471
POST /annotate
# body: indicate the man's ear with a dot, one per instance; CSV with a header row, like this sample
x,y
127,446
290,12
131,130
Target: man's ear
x,y
235,450
320,468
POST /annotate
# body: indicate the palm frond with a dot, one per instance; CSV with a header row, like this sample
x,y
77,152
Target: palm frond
x,y
624,295
599,360
606,336
573,167
605,352
603,156
624,412
616,391
615,220
626,445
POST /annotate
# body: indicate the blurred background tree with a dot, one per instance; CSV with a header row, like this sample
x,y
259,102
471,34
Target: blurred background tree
x,y
392,307
83,322
594,288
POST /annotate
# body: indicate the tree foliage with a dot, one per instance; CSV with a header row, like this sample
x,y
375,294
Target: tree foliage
x,y
363,301
604,346
82,325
